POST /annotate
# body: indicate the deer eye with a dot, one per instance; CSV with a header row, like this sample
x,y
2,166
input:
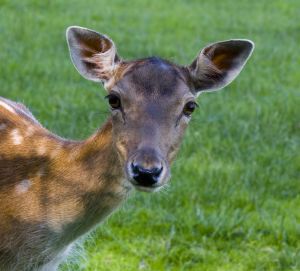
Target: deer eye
x,y
114,101
189,108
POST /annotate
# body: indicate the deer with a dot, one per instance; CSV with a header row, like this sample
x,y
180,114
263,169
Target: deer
x,y
54,190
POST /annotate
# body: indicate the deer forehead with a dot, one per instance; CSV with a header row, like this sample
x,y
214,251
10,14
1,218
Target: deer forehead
x,y
153,78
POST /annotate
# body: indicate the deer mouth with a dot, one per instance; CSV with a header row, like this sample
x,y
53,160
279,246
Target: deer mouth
x,y
146,188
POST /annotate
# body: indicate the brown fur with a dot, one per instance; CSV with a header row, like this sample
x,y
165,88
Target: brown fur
x,y
53,190
70,189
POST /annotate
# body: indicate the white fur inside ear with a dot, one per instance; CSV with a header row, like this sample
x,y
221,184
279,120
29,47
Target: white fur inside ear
x,y
93,54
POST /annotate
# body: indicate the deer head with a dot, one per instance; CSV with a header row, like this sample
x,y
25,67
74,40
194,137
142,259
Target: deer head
x,y
152,99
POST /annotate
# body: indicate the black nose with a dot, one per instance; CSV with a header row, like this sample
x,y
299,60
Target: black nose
x,y
146,176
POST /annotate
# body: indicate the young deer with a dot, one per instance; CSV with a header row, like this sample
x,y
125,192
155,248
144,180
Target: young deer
x,y
53,190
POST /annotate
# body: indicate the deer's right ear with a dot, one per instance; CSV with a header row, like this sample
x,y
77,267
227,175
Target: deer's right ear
x,y
93,54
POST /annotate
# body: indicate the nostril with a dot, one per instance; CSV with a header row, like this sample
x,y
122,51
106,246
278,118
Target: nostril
x,y
156,171
146,176
137,169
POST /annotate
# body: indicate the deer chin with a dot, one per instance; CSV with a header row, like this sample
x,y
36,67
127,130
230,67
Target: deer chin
x,y
147,189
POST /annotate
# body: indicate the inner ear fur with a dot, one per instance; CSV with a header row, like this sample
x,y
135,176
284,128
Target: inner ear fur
x,y
218,64
94,55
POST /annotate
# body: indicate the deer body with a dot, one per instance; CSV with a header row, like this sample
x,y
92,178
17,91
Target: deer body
x,y
53,190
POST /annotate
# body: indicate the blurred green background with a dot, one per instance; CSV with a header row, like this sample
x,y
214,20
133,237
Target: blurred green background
x,y
234,198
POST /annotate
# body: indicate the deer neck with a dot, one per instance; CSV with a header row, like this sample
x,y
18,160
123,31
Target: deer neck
x,y
97,156
83,185
59,189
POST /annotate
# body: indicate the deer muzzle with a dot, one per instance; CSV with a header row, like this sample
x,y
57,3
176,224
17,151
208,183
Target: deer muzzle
x,y
147,170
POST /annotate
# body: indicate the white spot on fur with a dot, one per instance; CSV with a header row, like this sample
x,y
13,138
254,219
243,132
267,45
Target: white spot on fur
x,y
2,126
16,137
41,149
7,107
29,131
55,152
23,186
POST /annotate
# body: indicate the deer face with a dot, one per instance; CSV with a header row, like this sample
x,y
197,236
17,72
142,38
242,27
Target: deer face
x,y
151,106
151,99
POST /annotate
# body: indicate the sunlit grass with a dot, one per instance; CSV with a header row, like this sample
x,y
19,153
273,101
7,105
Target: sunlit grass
x,y
234,199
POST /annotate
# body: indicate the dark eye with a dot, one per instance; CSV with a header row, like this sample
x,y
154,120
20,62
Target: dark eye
x,y
189,108
114,101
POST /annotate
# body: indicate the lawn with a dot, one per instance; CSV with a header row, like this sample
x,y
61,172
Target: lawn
x,y
234,199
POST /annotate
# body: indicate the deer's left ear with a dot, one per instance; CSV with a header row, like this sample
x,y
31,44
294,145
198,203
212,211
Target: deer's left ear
x,y
219,64
93,54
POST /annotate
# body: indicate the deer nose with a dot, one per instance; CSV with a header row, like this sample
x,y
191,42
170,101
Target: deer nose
x,y
146,176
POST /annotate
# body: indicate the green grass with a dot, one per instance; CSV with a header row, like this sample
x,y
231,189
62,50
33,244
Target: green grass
x,y
234,199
